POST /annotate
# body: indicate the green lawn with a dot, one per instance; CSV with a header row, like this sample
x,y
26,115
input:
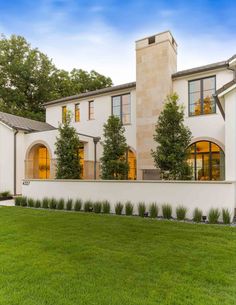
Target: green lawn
x,y
56,257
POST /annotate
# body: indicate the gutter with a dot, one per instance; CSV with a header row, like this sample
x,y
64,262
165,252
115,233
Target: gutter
x,y
14,182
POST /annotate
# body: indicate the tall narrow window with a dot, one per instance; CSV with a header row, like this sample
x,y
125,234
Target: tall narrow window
x,y
201,99
91,110
64,112
77,112
121,107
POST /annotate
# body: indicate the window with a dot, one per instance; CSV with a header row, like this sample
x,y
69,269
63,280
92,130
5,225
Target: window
x,y
132,165
91,110
201,99
77,113
207,160
64,111
121,107
81,158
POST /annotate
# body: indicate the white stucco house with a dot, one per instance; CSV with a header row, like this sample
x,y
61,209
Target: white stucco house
x,y
208,94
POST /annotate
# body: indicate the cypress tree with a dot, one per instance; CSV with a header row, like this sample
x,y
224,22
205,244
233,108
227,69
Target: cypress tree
x,y
173,139
114,165
67,151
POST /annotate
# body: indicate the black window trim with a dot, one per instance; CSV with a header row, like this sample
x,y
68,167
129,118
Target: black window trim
x,y
89,103
120,95
210,158
76,104
201,94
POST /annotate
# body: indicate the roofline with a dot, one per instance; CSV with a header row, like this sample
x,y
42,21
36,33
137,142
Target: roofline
x,y
157,34
92,93
216,98
205,68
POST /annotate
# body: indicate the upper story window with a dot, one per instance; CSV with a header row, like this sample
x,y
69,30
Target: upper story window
x,y
121,107
91,110
201,99
77,112
64,112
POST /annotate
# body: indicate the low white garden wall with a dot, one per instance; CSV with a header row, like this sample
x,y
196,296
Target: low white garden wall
x,y
191,194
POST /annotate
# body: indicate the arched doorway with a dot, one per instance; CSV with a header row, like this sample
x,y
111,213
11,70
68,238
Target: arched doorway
x,y
207,160
132,165
38,162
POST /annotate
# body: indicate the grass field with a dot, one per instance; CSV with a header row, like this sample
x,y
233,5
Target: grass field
x,y
54,257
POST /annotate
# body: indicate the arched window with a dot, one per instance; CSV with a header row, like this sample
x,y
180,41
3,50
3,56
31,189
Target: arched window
x,y
207,160
38,162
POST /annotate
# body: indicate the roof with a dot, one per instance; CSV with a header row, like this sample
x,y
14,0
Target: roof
x,y
92,93
226,86
214,66
20,123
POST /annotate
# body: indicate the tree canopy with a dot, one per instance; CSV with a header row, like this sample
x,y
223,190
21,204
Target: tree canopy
x,y
28,78
173,139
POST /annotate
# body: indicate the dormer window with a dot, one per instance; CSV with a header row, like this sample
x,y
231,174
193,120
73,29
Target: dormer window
x,y
201,99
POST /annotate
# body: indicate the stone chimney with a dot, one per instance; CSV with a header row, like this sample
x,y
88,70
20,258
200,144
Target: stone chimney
x,y
156,61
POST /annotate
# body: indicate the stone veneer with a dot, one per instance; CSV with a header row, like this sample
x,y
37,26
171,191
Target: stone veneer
x,y
155,63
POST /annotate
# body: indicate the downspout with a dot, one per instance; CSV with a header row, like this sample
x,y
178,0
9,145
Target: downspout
x,y
15,134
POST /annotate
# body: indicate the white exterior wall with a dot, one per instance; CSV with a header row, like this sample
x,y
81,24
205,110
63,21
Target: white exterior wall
x,y
204,195
6,159
230,135
209,126
102,111
20,160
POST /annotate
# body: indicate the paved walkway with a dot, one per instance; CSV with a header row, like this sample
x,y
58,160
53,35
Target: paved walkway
x,y
8,203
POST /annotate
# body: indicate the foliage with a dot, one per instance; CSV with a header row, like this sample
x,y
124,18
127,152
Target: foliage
x,y
153,210
29,78
88,206
67,151
69,204
37,203
97,207
213,216
226,216
5,194
23,201
141,209
78,204
45,203
61,204
129,208
166,211
18,201
119,208
52,203
181,212
114,165
173,139
106,207
31,202
197,215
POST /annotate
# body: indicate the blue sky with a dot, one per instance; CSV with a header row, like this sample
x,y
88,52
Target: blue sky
x,y
100,35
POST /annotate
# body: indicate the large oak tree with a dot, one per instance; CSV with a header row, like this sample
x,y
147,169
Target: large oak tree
x,y
28,78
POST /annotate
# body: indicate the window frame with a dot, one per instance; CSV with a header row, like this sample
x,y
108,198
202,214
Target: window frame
x,y
201,79
121,107
63,113
210,143
89,108
77,104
